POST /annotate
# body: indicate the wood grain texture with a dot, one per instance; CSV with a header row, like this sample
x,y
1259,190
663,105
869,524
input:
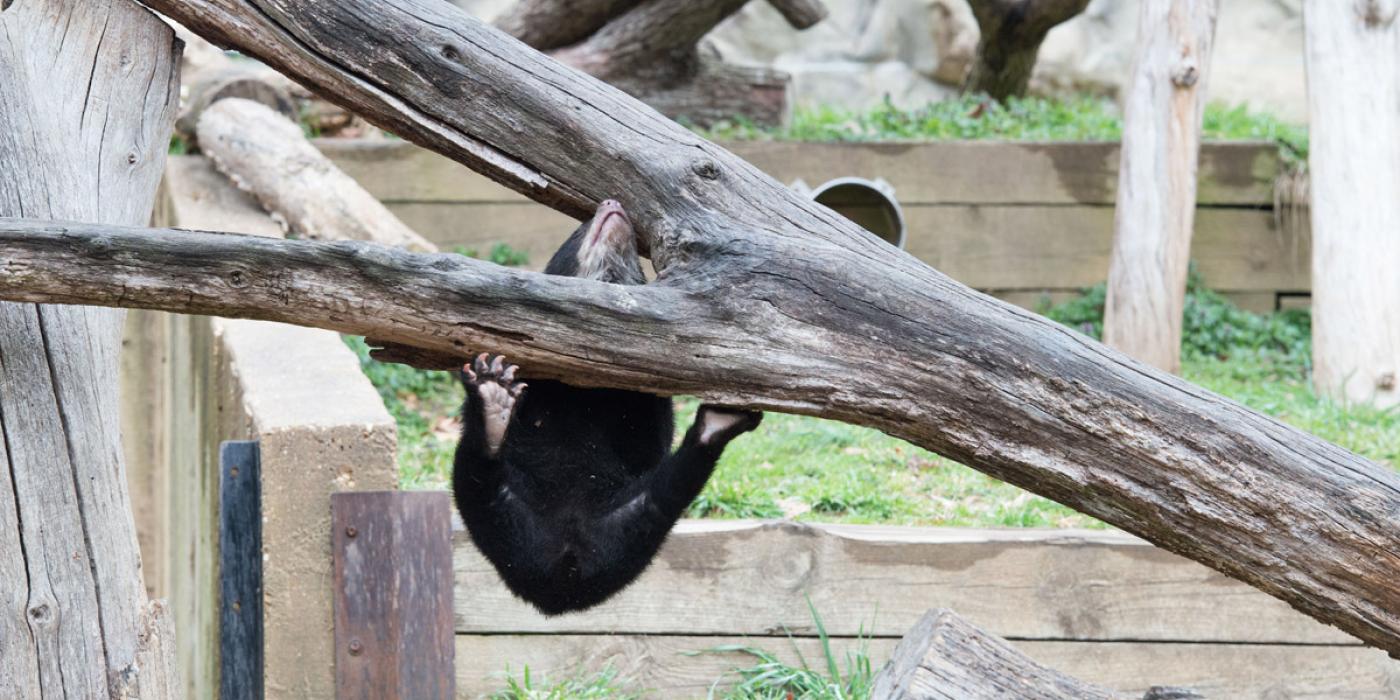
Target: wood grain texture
x,y
1353,67
88,98
763,300
756,579
240,572
393,595
945,657
267,155
1156,206
669,666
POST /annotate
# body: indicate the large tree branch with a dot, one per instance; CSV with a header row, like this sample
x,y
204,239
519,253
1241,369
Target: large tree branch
x,y
767,299
1016,396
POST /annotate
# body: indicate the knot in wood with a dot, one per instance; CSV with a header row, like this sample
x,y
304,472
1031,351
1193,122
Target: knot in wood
x,y
132,158
40,613
1386,382
237,279
356,647
706,169
451,53
1186,73
1377,14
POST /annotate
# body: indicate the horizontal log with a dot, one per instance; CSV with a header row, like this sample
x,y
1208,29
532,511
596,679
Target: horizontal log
x,y
756,579
669,667
943,172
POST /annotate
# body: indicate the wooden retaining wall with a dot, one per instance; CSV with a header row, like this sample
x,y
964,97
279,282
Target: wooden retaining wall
x,y
1100,605
1019,220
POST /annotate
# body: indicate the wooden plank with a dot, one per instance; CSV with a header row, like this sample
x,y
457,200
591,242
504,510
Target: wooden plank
x,y
393,594
755,578
240,572
667,666
981,172
1033,247
994,248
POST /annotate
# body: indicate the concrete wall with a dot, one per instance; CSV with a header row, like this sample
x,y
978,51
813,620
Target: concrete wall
x,y
191,382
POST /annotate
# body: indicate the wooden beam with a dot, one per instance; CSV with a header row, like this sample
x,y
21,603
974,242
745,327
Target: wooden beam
x,y
240,571
393,594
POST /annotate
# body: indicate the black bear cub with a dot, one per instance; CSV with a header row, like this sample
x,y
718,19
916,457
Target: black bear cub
x,y
569,492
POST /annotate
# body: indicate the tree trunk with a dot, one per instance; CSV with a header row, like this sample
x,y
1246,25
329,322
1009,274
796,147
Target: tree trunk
x,y
945,657
268,156
763,299
88,96
1156,206
1353,62
1011,34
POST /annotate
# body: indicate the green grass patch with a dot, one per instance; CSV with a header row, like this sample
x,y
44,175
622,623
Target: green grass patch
x,y
603,685
976,117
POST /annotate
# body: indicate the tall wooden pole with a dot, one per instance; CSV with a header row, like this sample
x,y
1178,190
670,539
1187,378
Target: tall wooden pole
x,y
87,99
1156,206
1353,63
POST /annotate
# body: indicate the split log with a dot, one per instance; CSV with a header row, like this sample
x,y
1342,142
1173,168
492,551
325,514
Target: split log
x,y
1011,34
1353,64
87,99
1156,207
268,156
763,299
945,657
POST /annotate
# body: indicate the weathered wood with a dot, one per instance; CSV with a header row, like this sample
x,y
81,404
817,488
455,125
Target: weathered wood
x,y
552,24
969,173
801,14
668,664
87,101
235,81
764,300
1157,181
393,595
1011,32
267,155
240,572
1353,65
945,657
756,579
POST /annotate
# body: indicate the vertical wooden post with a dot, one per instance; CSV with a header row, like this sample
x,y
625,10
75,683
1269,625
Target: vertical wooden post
x,y
88,91
1353,64
240,571
393,594
1156,205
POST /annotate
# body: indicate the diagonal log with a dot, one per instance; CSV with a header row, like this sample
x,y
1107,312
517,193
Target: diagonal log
x,y
763,299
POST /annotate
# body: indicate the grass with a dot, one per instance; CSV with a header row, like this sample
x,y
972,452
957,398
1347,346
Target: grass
x,y
974,117
766,677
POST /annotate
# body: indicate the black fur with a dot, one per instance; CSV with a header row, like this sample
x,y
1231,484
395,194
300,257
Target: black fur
x,y
582,489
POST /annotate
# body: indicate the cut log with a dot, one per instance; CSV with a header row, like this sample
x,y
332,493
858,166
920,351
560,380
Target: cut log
x,y
268,156
1011,34
87,99
1353,64
763,299
1156,207
945,657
